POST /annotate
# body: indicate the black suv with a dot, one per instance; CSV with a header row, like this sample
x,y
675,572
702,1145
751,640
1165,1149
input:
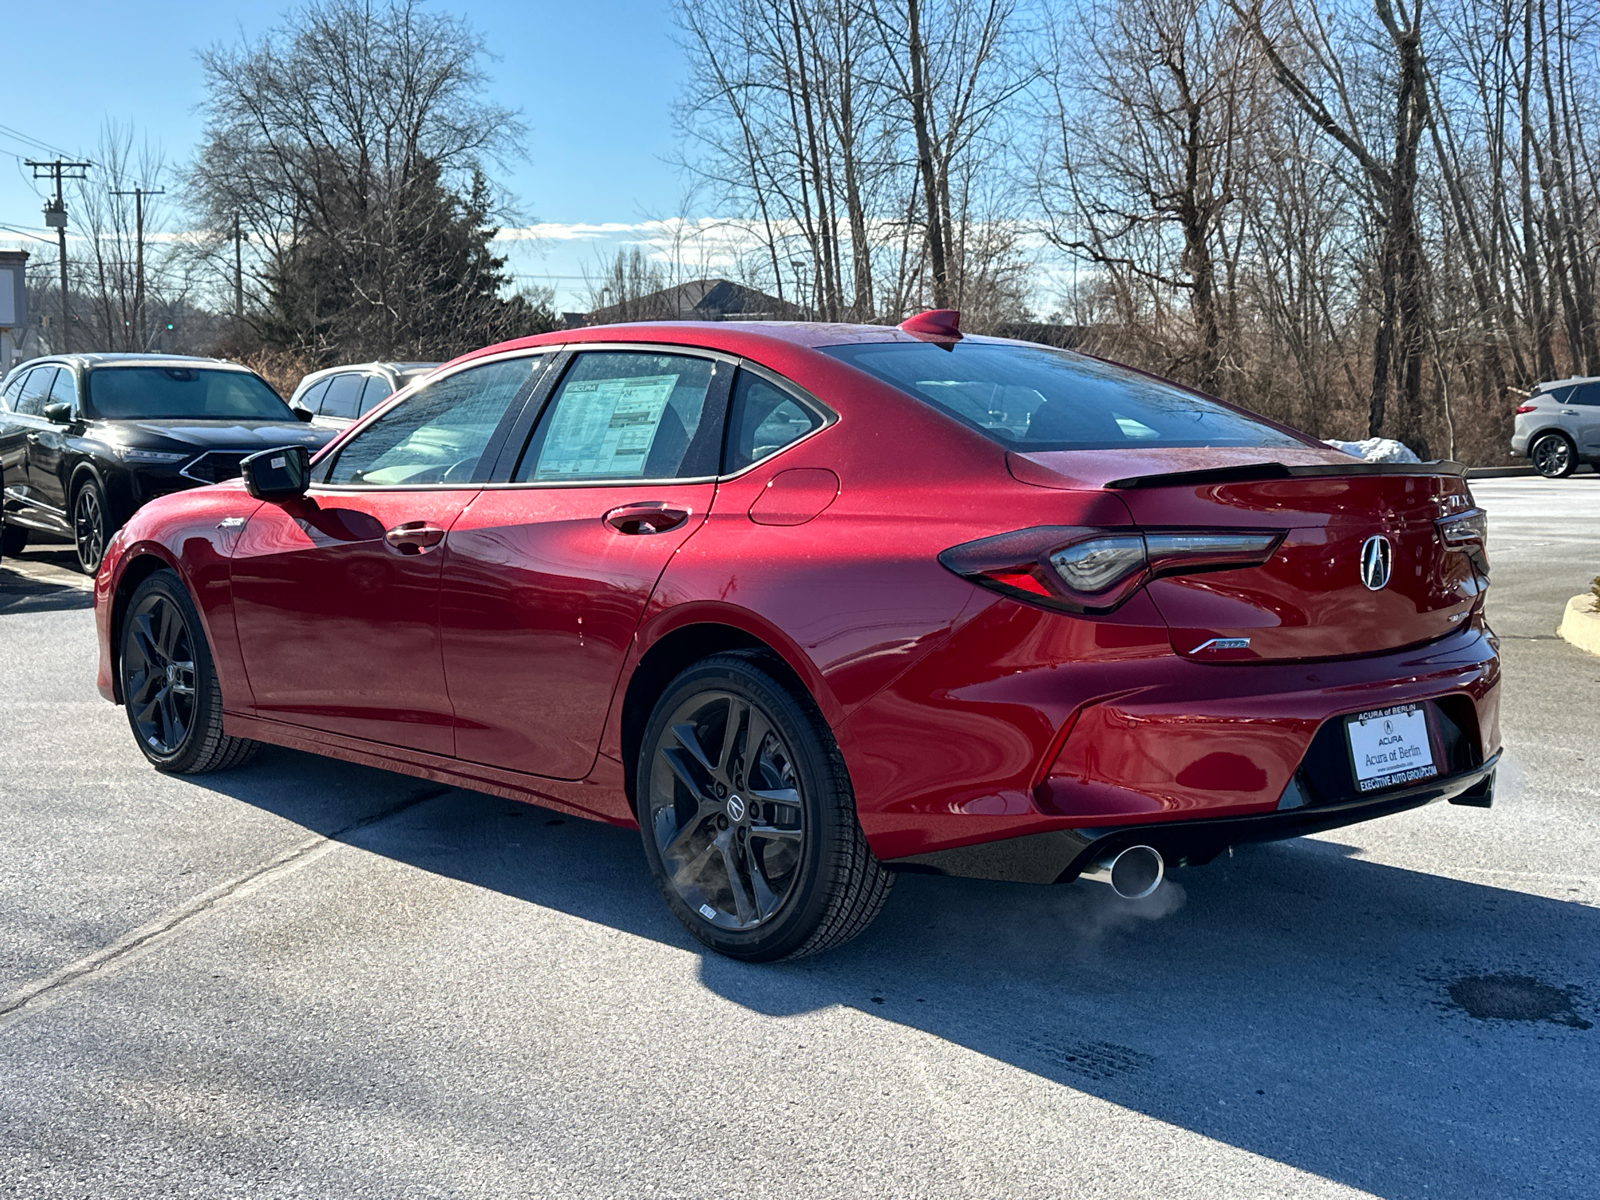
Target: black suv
x,y
85,439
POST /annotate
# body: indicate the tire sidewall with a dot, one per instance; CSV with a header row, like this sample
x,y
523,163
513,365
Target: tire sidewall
x,y
169,585
91,483
802,731
13,538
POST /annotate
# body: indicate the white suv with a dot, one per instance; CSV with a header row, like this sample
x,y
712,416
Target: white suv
x,y
1558,426
336,396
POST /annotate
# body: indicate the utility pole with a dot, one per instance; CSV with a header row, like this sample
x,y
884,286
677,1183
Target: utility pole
x,y
238,271
139,193
55,216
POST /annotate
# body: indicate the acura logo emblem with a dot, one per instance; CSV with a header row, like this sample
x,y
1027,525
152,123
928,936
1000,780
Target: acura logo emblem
x,y
1376,559
735,808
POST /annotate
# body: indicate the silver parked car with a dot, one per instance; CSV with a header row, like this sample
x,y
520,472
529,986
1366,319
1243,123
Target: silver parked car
x,y
336,396
1558,426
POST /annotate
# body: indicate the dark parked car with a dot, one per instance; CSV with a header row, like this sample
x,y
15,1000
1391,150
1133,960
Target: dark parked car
x,y
86,439
335,396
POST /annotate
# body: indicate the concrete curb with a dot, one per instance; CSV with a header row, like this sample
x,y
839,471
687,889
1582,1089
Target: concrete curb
x,y
1500,472
1580,625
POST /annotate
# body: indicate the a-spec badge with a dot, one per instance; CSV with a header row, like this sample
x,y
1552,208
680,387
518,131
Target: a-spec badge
x,y
1377,559
1233,643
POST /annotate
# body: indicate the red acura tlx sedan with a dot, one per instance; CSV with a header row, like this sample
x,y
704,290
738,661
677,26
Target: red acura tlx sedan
x,y
814,604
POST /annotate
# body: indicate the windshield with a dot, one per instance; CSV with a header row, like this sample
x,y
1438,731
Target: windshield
x,y
1035,398
197,393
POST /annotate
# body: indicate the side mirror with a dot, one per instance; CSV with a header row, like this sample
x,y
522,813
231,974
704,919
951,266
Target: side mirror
x,y
57,414
301,414
277,474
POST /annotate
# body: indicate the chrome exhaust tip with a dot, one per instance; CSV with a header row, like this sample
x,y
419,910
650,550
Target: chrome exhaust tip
x,y
1133,873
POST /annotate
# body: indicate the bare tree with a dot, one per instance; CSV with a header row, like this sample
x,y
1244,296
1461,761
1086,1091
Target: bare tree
x,y
1152,131
352,145
863,140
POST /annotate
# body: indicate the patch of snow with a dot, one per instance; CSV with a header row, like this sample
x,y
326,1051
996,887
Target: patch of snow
x,y
1382,450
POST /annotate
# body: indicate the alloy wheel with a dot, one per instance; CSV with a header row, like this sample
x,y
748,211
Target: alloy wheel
x,y
89,527
726,811
1552,456
158,674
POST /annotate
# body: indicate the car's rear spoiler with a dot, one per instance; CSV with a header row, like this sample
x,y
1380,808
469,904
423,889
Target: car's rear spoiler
x,y
1277,470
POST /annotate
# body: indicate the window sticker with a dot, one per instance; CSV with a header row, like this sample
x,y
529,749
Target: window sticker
x,y
604,427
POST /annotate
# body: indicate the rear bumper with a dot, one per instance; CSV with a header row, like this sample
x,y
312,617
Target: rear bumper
x,y
1060,856
1141,739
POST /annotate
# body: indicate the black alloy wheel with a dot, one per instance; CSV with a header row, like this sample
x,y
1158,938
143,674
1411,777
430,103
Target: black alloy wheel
x,y
89,525
1553,456
748,817
169,685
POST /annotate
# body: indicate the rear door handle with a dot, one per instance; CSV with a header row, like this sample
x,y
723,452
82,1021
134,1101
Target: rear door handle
x,y
414,537
649,516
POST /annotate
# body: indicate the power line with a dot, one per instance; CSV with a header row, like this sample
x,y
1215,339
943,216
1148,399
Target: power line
x,y
18,229
19,136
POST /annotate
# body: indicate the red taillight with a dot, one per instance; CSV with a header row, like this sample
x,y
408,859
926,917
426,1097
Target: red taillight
x,y
1522,408
1086,570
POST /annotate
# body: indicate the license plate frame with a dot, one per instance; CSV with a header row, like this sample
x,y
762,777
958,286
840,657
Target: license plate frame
x,y
1405,732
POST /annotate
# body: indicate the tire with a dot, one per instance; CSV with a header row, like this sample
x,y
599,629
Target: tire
x,y
91,525
1553,455
169,683
12,539
756,873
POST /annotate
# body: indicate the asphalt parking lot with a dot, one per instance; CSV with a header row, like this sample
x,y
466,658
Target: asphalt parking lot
x,y
310,978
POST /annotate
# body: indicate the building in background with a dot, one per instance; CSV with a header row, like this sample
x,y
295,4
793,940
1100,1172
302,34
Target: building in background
x,y
13,304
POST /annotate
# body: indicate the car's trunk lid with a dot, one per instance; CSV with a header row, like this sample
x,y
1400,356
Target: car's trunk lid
x,y
1310,599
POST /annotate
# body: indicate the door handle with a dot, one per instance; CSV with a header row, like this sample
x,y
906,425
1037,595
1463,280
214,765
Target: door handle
x,y
1569,412
646,517
414,537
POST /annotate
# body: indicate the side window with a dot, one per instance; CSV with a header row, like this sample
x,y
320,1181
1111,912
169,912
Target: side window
x,y
1587,394
376,391
8,399
622,415
31,401
343,396
312,400
64,390
763,420
437,435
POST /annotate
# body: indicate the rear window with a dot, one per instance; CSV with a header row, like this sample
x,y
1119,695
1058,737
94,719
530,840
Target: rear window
x,y
153,393
1036,398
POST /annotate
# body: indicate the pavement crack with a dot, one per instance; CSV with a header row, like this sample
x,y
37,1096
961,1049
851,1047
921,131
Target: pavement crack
x,y
294,857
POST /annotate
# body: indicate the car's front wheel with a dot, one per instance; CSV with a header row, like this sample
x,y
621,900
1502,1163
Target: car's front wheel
x,y
748,816
169,684
90,525
1553,456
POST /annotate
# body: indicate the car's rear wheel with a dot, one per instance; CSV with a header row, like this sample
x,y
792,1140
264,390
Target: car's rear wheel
x,y
12,540
1553,456
748,816
169,683
90,525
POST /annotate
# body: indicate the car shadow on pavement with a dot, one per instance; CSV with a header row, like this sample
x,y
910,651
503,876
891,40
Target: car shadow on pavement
x,y
1379,1027
28,593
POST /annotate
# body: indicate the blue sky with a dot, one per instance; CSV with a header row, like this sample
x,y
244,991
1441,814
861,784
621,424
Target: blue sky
x,y
595,84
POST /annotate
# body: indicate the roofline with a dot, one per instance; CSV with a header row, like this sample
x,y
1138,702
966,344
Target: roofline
x,y
104,359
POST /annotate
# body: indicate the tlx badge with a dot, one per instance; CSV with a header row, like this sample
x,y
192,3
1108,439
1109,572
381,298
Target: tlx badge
x,y
1377,558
